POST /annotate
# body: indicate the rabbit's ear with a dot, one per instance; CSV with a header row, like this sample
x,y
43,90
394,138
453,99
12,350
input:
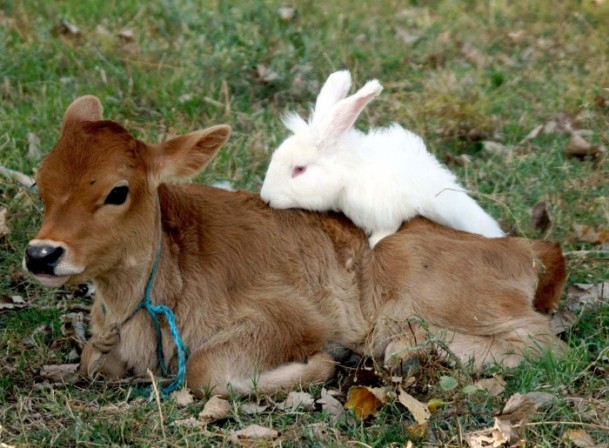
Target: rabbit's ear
x,y
343,114
335,89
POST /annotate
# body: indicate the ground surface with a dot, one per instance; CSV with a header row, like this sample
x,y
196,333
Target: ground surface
x,y
502,91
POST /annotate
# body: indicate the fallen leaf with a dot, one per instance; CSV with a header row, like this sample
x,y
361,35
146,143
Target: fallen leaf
x,y
418,431
580,438
461,160
474,56
256,432
518,409
33,151
12,302
62,373
126,35
296,400
407,37
533,134
286,13
68,29
587,234
188,423
4,229
540,399
540,219
496,148
334,408
493,437
30,340
363,402
494,386
562,321
18,177
579,148
252,409
448,383
516,413
419,411
215,409
580,295
73,326
182,397
266,74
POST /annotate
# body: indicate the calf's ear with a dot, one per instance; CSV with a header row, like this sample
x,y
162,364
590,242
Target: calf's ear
x,y
84,108
188,155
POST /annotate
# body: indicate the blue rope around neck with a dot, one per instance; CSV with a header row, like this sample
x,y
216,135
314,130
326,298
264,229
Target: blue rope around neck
x,y
154,311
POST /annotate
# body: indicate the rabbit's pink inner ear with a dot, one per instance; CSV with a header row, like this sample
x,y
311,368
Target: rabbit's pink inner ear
x,y
343,116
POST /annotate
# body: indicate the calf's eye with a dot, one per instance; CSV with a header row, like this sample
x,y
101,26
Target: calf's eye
x,y
117,196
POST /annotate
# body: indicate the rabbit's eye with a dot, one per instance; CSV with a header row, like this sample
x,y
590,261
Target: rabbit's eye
x,y
298,170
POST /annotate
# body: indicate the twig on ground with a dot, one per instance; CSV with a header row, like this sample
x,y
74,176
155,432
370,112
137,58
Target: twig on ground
x,y
158,403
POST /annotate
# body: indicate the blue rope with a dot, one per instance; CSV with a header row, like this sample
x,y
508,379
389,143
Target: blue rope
x,y
157,310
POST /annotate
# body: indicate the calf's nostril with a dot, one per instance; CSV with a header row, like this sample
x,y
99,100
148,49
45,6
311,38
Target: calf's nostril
x,y
42,259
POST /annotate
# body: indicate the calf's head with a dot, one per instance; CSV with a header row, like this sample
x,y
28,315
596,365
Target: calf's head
x,y
98,187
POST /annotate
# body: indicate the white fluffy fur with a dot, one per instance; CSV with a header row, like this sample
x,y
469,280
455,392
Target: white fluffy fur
x,y
378,180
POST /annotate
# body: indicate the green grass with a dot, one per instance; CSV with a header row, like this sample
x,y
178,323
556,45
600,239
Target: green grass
x,y
474,71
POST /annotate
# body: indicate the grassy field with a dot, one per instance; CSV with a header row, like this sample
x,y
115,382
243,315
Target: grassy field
x,y
501,91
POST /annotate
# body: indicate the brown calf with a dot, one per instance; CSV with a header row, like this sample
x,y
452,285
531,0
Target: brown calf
x,y
259,293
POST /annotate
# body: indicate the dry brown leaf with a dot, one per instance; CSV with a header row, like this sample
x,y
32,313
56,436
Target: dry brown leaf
x,y
188,423
68,29
73,326
494,386
580,438
18,177
407,37
183,397
474,56
62,373
579,148
126,35
580,295
363,402
460,160
516,413
256,432
587,234
518,409
4,229
333,407
418,431
562,321
252,409
33,151
266,74
12,302
540,218
533,134
419,411
540,399
296,400
286,13
494,437
215,409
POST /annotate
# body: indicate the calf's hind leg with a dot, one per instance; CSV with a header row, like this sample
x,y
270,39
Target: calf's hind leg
x,y
218,374
265,349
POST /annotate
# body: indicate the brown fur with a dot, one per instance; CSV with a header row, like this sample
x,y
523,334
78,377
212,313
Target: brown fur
x,y
258,293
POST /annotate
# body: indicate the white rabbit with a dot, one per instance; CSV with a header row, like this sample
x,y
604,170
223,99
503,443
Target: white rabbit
x,y
378,180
